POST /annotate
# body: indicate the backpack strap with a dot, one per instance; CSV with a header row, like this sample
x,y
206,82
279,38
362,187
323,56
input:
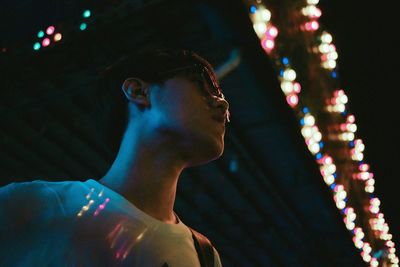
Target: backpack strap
x,y
204,249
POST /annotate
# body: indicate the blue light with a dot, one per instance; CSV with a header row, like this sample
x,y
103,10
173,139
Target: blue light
x,y
351,143
36,46
378,254
83,26
86,13
318,156
306,110
334,74
233,166
321,144
253,9
285,60
334,175
302,121
344,113
333,186
281,73
40,34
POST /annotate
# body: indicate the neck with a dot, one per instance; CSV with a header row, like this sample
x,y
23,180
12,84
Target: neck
x,y
147,176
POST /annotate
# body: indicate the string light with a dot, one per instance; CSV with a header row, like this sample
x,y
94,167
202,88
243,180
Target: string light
x,y
45,42
83,26
36,46
86,13
57,37
46,37
262,26
50,30
40,34
344,132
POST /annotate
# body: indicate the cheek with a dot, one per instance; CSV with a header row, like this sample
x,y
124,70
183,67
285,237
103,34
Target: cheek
x,y
184,106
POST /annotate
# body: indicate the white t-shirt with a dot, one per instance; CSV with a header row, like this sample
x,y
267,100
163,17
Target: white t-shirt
x,y
73,223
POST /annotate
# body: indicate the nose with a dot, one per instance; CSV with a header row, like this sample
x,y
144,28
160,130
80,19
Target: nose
x,y
222,105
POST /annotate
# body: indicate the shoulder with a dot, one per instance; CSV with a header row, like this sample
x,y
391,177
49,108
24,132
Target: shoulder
x,y
208,247
33,202
217,260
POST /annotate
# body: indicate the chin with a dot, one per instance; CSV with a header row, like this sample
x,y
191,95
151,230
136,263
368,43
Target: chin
x,y
213,152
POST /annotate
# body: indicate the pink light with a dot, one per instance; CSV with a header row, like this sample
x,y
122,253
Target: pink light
x,y
337,188
45,42
292,100
50,30
311,25
389,244
347,210
322,160
351,118
338,92
363,167
296,87
314,25
327,160
267,44
272,32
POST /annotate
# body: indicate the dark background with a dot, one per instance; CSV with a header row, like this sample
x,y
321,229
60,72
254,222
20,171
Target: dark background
x,y
365,35
274,210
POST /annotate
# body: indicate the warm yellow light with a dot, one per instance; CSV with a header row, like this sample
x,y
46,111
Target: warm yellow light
x,y
287,87
350,226
332,169
323,48
343,99
312,2
265,14
289,74
366,257
367,248
370,181
306,131
57,37
341,204
314,148
369,189
329,179
326,37
260,28
317,136
352,127
309,120
374,262
332,55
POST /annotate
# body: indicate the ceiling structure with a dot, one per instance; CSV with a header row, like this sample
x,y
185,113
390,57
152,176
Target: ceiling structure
x,y
263,203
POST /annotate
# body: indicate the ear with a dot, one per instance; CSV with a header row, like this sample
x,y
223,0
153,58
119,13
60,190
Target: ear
x,y
136,91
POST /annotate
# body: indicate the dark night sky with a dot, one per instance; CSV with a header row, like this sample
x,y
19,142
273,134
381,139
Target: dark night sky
x,y
364,34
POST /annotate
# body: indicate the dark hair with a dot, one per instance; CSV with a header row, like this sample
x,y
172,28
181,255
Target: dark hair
x,y
151,65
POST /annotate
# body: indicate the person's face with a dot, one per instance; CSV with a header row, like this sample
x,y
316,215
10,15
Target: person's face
x,y
192,117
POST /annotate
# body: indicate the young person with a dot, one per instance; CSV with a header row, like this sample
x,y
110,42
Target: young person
x,y
166,112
